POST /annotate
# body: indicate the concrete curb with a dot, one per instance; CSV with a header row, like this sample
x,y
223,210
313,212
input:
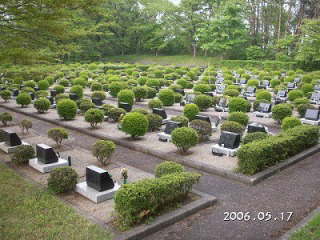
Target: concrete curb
x,y
250,180
301,224
167,219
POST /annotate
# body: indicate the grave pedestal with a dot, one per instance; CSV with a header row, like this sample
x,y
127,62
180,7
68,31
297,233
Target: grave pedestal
x,y
46,168
164,137
217,149
310,122
263,115
95,196
8,149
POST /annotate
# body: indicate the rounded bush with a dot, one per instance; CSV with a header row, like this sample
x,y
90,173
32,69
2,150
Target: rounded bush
x,y
22,154
155,121
177,97
115,88
281,111
202,88
126,96
239,117
23,99
302,108
203,129
42,105
184,138
5,117
231,92
5,95
231,126
42,93
155,103
151,92
116,113
238,104
190,111
203,102
167,97
253,83
78,90
264,95
43,85
59,89
58,135
67,109
167,167
99,94
274,83
85,104
94,117
290,122
307,79
30,84
25,125
140,93
141,110
294,94
106,108
63,179
307,88
135,124
95,86
61,96
64,82
256,136
153,83
181,119
103,150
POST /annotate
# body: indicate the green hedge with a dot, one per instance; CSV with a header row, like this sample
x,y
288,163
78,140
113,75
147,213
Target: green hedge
x,y
259,155
135,202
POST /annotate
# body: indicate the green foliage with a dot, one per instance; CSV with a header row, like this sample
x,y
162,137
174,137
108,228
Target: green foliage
x,y
280,111
307,88
190,111
255,136
22,154
67,109
5,117
255,53
167,168
239,117
155,121
203,129
264,95
58,135
299,101
126,96
231,92
78,90
23,99
202,88
85,104
203,102
94,117
290,122
25,125
231,126
43,85
181,119
237,104
141,110
63,179
166,96
274,83
5,95
116,113
253,83
184,138
257,103
135,124
95,86
302,108
42,105
99,94
59,89
294,94
103,150
140,93
155,103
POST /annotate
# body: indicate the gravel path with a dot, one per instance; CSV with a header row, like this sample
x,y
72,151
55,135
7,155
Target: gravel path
x,y
296,190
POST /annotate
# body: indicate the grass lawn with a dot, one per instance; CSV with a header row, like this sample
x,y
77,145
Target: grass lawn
x,y
310,232
27,212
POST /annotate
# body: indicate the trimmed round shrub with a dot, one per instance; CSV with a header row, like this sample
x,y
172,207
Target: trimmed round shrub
x,y
177,97
202,88
67,109
256,136
23,99
43,85
274,83
95,86
115,88
231,92
126,96
30,84
5,117
94,117
141,110
294,94
22,154
140,93
63,179
5,95
184,138
167,167
307,79
307,88
116,113
155,121
151,92
106,108
155,103
290,122
302,100
203,102
25,125
153,83
61,96
42,105
99,94
135,124
59,89
253,83
302,108
281,111
264,95
239,117
181,119
58,135
103,150
238,104
203,129
64,82
167,97
190,111
78,90
85,104
42,93
231,126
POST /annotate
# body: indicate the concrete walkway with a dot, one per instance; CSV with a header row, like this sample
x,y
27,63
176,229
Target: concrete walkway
x,y
296,190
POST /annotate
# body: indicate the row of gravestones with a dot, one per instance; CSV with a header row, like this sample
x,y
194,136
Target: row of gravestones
x,y
99,185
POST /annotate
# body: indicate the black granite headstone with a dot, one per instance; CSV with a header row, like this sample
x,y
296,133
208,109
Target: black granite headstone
x,y
36,89
32,95
229,140
98,179
171,125
125,106
53,93
203,118
97,101
312,114
211,94
73,96
181,91
256,127
15,92
12,139
46,154
51,99
161,112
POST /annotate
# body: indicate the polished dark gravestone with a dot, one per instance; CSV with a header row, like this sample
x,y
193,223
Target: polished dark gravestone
x,y
256,127
181,91
53,93
51,99
172,125
229,140
73,96
312,114
12,139
46,154
98,179
161,112
15,92
32,95
203,118
97,101
125,106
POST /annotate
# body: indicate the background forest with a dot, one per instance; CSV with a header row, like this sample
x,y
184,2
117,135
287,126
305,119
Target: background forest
x,y
79,30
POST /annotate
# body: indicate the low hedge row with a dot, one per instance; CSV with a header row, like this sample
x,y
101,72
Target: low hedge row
x,y
259,155
136,201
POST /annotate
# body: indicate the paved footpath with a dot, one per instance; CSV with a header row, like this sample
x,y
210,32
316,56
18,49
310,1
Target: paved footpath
x,y
295,189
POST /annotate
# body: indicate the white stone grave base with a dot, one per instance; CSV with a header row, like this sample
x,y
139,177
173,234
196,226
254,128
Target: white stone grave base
x,y
263,115
7,149
164,121
225,151
46,168
310,122
164,137
95,196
